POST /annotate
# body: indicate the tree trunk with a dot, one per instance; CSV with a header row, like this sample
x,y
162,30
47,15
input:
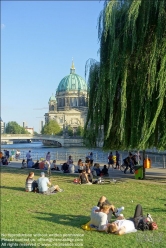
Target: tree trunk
x,y
143,158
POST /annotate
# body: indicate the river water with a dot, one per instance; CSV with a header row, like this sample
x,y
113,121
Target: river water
x,y
61,153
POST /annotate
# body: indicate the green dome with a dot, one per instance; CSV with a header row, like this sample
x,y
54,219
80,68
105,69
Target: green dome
x,y
72,82
52,98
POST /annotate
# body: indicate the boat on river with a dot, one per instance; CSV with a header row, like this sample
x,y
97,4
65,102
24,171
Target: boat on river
x,y
51,143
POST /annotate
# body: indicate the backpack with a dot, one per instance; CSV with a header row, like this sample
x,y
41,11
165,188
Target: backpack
x,y
143,224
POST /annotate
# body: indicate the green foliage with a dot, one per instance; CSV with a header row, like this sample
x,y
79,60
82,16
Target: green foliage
x,y
51,127
70,131
79,131
127,89
13,127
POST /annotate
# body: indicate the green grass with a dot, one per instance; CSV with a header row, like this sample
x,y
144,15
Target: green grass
x,y
62,214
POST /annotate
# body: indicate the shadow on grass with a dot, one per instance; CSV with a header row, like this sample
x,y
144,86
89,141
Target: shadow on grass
x,y
13,188
67,220
159,210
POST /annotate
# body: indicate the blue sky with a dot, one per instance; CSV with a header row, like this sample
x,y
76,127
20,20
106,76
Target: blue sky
x,y
38,41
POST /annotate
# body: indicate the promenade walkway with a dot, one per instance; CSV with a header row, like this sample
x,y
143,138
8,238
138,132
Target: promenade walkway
x,y
151,174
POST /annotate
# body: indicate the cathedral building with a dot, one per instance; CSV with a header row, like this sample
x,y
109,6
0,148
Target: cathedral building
x,y
70,104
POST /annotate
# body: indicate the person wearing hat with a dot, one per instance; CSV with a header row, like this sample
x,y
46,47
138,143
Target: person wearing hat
x,y
43,183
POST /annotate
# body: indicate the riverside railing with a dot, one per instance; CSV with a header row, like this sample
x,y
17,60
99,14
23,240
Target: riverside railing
x,y
157,160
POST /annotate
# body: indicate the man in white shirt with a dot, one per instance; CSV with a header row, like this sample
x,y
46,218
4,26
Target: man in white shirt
x,y
43,183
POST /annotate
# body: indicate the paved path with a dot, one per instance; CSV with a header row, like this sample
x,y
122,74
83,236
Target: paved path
x,y
151,174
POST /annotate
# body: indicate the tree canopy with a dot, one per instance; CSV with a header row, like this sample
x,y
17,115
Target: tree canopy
x,y
51,127
13,127
127,88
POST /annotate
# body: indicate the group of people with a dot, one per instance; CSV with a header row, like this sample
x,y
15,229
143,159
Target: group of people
x,y
102,213
88,170
40,185
44,164
69,167
4,157
114,160
130,161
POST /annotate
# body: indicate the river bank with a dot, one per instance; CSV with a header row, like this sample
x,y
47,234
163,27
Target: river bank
x,y
152,174
39,151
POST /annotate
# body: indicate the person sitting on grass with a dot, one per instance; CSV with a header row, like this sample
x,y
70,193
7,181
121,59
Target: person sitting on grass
x,y
96,168
90,176
36,165
100,216
122,225
4,160
24,164
80,166
83,177
70,160
104,171
31,184
30,163
42,165
71,168
116,212
65,168
54,166
87,164
43,188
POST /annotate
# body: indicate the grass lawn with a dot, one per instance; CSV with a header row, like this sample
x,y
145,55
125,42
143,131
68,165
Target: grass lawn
x,y
37,220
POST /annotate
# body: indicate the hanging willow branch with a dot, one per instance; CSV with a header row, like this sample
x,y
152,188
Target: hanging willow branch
x,y
127,88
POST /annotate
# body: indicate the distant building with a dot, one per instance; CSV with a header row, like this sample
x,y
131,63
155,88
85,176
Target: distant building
x,y
30,130
2,126
24,124
41,125
70,104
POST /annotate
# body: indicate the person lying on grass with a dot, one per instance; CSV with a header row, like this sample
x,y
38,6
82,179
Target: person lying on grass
x,y
123,226
43,188
100,216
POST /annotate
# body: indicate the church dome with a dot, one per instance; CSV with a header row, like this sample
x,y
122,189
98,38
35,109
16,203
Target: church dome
x,y
52,98
72,82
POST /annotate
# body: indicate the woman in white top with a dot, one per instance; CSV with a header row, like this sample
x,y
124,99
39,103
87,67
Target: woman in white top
x,y
80,166
122,226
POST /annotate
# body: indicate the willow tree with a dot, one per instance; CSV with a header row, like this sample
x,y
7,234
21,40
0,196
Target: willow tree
x,y
127,88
